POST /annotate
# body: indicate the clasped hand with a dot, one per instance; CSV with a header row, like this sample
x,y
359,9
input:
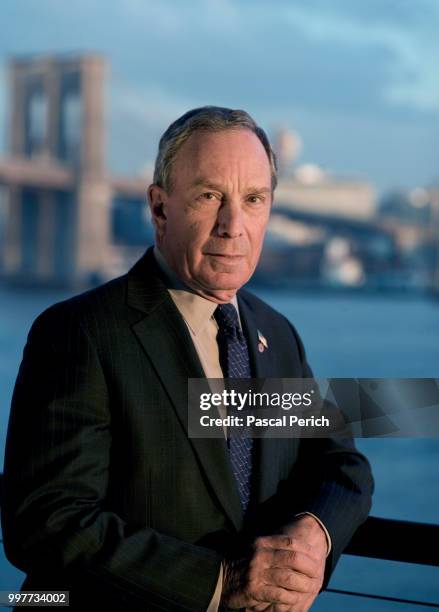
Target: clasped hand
x,y
283,573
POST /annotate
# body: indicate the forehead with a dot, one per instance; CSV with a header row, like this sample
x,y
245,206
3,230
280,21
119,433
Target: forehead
x,y
223,155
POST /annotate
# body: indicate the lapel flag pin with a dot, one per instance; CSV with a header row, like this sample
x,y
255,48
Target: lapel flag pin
x,y
262,344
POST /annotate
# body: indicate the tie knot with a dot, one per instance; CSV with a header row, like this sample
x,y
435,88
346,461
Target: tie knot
x,y
226,316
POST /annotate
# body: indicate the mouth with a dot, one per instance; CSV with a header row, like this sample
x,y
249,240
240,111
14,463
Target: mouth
x,y
225,256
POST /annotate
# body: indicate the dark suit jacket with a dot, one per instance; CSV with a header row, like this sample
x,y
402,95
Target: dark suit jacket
x,y
105,494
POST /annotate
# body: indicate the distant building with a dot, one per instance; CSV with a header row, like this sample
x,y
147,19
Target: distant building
x,y
325,230
287,145
312,190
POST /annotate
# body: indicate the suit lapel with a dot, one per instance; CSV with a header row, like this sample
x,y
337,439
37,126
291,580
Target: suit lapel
x,y
167,342
261,362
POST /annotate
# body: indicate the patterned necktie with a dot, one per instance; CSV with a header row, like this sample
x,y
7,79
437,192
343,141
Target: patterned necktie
x,y
235,363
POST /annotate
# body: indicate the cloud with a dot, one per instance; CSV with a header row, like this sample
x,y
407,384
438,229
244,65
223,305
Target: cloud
x,y
413,47
347,53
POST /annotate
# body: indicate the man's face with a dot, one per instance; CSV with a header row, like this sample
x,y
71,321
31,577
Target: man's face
x,y
210,226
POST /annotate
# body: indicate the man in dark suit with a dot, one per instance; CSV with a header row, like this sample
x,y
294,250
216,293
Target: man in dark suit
x,y
106,496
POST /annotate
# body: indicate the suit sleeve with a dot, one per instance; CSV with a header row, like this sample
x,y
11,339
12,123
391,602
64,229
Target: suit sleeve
x,y
57,466
333,481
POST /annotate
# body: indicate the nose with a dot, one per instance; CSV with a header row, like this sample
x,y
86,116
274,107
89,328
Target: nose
x,y
230,219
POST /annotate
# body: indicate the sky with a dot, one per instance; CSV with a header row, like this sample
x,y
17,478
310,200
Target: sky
x,y
358,81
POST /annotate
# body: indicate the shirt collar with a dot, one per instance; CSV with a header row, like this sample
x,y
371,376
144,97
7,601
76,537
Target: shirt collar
x,y
195,309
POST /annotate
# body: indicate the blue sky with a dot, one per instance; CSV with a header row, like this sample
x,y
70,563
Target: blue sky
x,y
357,80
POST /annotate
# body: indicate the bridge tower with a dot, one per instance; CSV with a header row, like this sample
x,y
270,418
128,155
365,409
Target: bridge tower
x,y
57,212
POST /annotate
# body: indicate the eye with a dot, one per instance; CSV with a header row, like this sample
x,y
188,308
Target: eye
x,y
255,199
210,196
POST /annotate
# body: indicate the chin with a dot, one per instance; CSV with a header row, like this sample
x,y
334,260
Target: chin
x,y
227,282
221,279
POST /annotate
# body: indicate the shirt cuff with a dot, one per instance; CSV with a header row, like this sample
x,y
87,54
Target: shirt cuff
x,y
328,537
216,598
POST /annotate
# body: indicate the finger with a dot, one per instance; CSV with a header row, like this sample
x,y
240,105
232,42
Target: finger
x,y
283,542
291,580
276,595
297,561
265,558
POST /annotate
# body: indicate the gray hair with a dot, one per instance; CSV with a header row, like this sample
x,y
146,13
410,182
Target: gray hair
x,y
209,119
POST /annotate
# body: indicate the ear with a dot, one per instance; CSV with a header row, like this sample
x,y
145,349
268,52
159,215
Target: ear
x,y
157,200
